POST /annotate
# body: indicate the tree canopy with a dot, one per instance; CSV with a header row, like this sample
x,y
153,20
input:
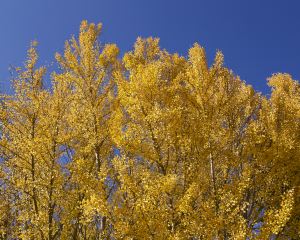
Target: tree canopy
x,y
152,145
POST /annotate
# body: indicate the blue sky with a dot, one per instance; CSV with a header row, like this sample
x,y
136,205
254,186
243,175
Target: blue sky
x,y
257,37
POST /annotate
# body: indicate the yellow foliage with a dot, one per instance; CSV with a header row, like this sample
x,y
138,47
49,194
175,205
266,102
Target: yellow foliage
x,y
151,146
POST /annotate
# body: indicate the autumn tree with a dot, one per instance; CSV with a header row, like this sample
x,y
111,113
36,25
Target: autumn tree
x,y
30,150
87,80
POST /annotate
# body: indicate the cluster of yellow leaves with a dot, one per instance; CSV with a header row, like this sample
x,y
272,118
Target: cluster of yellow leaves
x,y
151,146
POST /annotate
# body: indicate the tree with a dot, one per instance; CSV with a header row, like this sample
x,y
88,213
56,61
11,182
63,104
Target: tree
x,y
87,72
29,144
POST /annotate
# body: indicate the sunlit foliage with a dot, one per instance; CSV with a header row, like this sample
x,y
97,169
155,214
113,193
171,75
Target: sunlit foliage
x,y
153,145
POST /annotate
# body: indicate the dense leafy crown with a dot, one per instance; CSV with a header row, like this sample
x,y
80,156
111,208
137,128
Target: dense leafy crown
x,y
150,146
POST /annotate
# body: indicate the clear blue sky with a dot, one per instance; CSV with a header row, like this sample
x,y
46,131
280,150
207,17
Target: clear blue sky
x,y
257,37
